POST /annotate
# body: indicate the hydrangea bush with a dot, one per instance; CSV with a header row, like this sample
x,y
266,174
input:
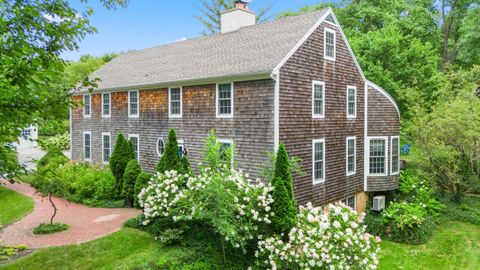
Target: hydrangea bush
x,y
333,240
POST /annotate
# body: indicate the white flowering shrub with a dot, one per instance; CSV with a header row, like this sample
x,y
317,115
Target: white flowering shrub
x,y
59,141
333,240
233,205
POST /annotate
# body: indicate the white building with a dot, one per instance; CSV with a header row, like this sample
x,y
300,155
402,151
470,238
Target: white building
x,y
28,138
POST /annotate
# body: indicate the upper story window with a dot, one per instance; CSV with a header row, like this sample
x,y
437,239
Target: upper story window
x,y
351,102
134,138
87,105
133,103
225,100
350,201
395,166
175,102
87,145
106,104
377,155
318,99
106,147
351,155
329,43
318,161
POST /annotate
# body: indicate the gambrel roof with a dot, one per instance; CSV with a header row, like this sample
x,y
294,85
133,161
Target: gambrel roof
x,y
252,50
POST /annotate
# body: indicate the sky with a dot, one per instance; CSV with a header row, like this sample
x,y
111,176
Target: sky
x,y
149,23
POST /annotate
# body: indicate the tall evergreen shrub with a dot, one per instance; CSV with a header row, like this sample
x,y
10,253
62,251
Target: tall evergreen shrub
x,y
140,183
121,155
170,159
129,178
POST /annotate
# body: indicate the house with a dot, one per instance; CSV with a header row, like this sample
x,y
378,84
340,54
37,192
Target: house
x,y
294,80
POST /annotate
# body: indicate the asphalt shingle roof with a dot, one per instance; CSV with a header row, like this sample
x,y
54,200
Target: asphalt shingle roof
x,y
251,50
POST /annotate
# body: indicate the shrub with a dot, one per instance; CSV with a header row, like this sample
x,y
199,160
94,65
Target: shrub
x,y
334,240
213,157
374,222
415,235
468,210
59,141
129,178
121,155
170,159
45,228
51,153
54,127
140,183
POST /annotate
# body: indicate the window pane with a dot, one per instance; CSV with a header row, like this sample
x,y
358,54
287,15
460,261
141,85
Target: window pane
x,y
135,145
133,103
351,155
224,98
175,101
106,104
318,99
318,161
377,156
87,142
106,148
86,104
395,155
329,44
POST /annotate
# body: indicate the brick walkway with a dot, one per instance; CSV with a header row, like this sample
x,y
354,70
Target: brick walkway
x,y
85,223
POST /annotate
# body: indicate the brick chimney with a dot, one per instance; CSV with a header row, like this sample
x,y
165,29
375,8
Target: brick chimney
x,y
237,17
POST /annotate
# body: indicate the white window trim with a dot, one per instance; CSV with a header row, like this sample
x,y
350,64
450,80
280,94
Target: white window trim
x,y
354,138
138,104
170,115
391,155
138,144
354,115
217,111
354,200
103,146
230,141
89,106
109,105
325,44
314,115
89,133
158,140
313,161
385,138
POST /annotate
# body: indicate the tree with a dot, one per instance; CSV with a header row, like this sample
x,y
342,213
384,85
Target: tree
x,y
34,34
140,183
129,179
170,159
211,11
283,206
121,155
214,156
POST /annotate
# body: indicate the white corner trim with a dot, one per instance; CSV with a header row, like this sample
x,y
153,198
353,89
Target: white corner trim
x,y
354,138
276,112
138,104
217,109
323,160
170,115
325,56
386,94
365,138
354,115
322,115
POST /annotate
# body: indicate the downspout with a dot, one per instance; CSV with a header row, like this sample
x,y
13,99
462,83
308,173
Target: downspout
x,y
276,109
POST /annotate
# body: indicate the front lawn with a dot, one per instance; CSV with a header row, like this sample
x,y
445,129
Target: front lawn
x,y
454,245
13,206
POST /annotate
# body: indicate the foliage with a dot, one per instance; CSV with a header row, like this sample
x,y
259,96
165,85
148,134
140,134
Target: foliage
x,y
405,216
129,179
9,167
213,157
7,252
267,169
140,183
60,141
52,153
374,222
121,155
14,206
54,127
170,159
468,210
283,205
46,228
322,241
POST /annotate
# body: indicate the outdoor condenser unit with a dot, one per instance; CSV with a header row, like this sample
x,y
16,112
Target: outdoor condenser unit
x,y
378,203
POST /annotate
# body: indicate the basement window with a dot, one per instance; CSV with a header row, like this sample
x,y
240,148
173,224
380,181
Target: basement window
x,y
350,202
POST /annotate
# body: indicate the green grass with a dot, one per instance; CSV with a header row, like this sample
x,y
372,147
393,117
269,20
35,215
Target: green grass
x,y
454,245
13,206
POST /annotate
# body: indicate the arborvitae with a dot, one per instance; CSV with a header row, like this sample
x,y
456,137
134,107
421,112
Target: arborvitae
x,y
170,159
121,155
142,182
283,205
185,165
129,178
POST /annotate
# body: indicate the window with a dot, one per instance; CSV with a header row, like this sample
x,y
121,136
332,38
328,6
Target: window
x,y
134,138
106,147
225,146
160,147
180,147
87,106
350,202
225,100
318,99
132,103
318,168
106,104
26,133
351,102
87,145
329,44
351,155
395,166
377,156
175,102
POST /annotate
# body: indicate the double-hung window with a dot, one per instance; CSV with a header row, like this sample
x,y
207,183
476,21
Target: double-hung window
x,y
351,155
378,155
224,100
350,201
351,102
106,104
175,102
395,145
87,105
134,138
87,145
133,103
329,44
226,149
106,146
318,99
318,161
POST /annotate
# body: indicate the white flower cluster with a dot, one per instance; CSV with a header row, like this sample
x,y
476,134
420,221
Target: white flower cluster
x,y
334,240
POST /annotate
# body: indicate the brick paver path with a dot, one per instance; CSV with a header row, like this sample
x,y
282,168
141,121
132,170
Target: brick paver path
x,y
85,223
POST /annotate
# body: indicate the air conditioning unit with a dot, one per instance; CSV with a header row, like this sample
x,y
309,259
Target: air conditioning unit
x,y
378,203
